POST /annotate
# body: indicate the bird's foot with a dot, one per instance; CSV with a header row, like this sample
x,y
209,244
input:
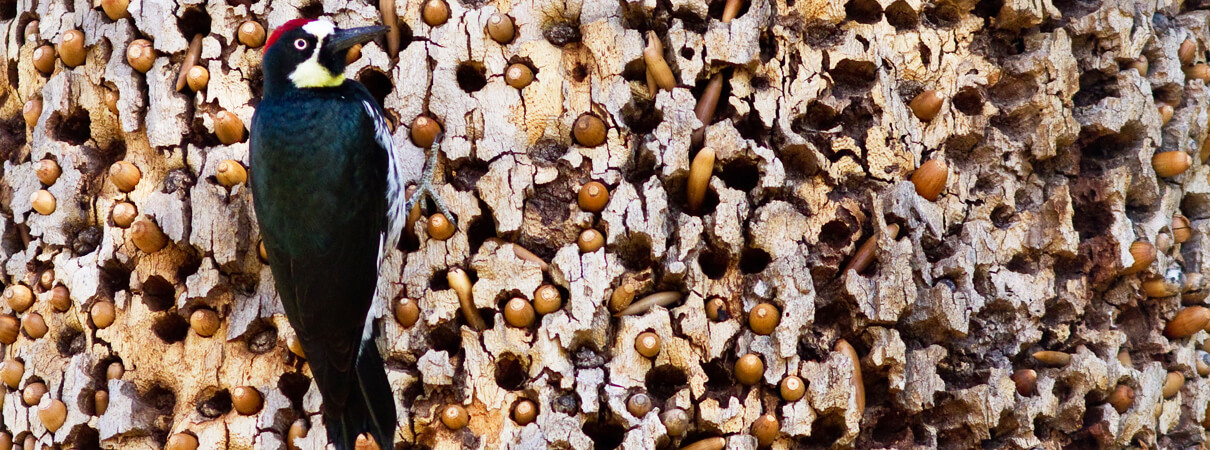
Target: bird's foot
x,y
424,187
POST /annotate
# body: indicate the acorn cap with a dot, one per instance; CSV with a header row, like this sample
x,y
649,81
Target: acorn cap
x,y
44,59
31,111
48,171
792,388
424,131
1187,322
124,175
19,297
34,325
11,371
115,9
10,328
197,77
500,27
435,12
251,34
246,400
749,369
230,173
593,196
71,48
1170,164
102,314
589,130
519,313
930,179
765,429
525,412
52,412
547,299
140,55
43,202
647,344
100,402
228,127
763,318
439,227
123,214
927,105
205,322
455,417
407,312
700,171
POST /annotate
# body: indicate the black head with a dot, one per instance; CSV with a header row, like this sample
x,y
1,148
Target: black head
x,y
309,53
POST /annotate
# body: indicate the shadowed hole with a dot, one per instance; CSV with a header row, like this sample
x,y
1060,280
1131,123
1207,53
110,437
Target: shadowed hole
x,y
510,374
863,11
261,341
968,101
158,294
664,381
471,76
171,328
75,129
753,260
605,436
641,116
71,342
740,174
901,16
853,76
714,263
294,386
215,404
446,338
835,234
193,22
378,84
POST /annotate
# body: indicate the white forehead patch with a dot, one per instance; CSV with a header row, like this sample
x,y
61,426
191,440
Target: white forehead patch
x,y
319,28
310,73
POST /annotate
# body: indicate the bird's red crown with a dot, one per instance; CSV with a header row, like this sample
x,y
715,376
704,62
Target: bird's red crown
x,y
296,23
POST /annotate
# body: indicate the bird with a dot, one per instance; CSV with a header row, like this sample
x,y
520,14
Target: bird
x,y
328,191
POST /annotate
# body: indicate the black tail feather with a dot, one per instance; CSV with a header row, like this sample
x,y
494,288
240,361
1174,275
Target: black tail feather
x,y
371,406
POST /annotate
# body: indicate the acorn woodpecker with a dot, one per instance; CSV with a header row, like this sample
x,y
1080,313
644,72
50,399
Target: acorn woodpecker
x,y
328,190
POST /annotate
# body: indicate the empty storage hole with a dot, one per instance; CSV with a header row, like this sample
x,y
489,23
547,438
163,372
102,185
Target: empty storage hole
x,y
740,174
510,374
664,381
753,260
158,293
377,83
968,101
214,404
75,128
901,16
171,328
854,76
714,263
863,11
471,76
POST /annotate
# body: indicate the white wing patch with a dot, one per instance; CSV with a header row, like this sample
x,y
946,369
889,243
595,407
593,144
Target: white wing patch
x,y
396,184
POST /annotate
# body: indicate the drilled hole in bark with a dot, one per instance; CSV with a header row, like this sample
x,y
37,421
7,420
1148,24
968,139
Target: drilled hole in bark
x,y
835,234
1013,89
605,436
439,281
768,46
943,15
693,23
753,260
1196,206
561,33
294,386
664,381
510,374
1003,216
819,117
312,10
481,229
158,294
901,16
863,11
378,84
579,72
714,263
718,376
853,76
84,436
71,342
740,174
192,22
935,250
73,129
466,176
471,76
716,9
214,404
641,116
264,339
968,101
1095,86
160,398
446,337
548,150
171,328
634,251
988,9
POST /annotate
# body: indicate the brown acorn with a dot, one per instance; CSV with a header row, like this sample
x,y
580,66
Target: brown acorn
x,y
47,279
716,309
31,111
181,441
297,430
1140,64
435,12
847,349
589,130
100,402
1170,164
115,371
730,11
124,176
659,74
700,171
1181,229
261,253
647,344
425,131
31,33
147,236
455,417
34,325
927,105
205,322
43,202
1053,358
1199,71
645,304
6,441
1187,321
1144,254
123,214
930,179
251,34
48,171
71,48
525,412
1026,381
547,299
676,421
230,173
10,328
763,319
765,429
353,54
19,297
792,388
706,105
115,9
460,282
390,18
518,75
639,404
593,196
501,28
102,314
1202,363
60,298
44,59
407,312
197,77
1172,384
714,443
228,127
527,255
294,344
622,296
590,241
439,227
519,313
1159,287
749,369
1186,52
1166,113
246,400
140,55
52,413
11,372
865,254
111,100
33,392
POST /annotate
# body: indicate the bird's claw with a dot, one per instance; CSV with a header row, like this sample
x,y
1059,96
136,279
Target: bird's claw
x,y
424,187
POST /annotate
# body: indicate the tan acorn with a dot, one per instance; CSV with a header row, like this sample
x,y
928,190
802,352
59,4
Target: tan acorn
x,y
298,430
676,421
43,202
1170,164
455,417
1187,321
115,371
102,314
501,28
1172,384
1026,381
847,349
518,75
792,388
1199,71
353,54
440,228
700,171
34,325
927,105
646,303
52,413
100,402
123,214
111,100
435,12
251,34
1181,228
228,127
1166,111
639,404
33,392
147,236
31,111
205,322
197,78
1144,254
547,299
48,171
527,255
525,412
425,131
60,298
390,18
622,296
1053,358
519,313
71,48
765,429
1186,52
140,55
47,279
593,196
124,176
407,312
44,59
10,327
246,400
659,73
749,369
589,130
230,173
930,179
714,443
19,297
1140,64
31,33
460,282
763,319
647,344
115,9
590,241
716,309
11,372
181,441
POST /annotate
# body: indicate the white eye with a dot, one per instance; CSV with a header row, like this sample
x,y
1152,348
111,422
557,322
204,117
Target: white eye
x,y
300,44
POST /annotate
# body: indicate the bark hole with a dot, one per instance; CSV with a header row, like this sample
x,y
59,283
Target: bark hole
x,y
158,294
510,374
664,381
863,11
171,328
471,76
901,16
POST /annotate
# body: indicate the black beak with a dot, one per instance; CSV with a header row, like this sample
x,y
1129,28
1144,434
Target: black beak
x,y
342,39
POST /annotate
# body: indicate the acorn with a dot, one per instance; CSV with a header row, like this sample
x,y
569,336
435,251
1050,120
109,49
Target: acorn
x,y
19,297
659,74
43,202
407,312
31,111
102,314
425,131
230,173
930,179
590,241
52,413
1026,381
646,303
1203,363
115,9
765,429
1181,229
6,441
251,34
500,27
228,127
593,196
716,309
47,279
1187,321
181,441
205,322
518,75
527,255
547,299
1144,254
700,171
675,420
44,59
140,55
844,347
34,325
391,19
1198,71
1172,384
31,441
1140,64
297,430
525,412
48,172
435,12
763,319
100,402
353,54
261,253
71,48
714,443
31,31
639,404
519,313
9,328
927,105
589,130
440,228
455,417
11,372
706,104
115,371
749,369
622,296
294,344
1052,358
124,176
33,392
197,77
246,400
111,100
1166,113
1186,52
647,344
123,214
147,236
1170,164
460,282
1159,287
865,253
792,388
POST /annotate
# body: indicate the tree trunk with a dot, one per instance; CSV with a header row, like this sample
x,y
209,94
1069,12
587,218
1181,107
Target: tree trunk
x,y
926,194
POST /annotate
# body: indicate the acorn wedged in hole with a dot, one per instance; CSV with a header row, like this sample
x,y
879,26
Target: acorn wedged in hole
x,y
115,9
230,173
435,12
518,75
124,176
33,392
10,328
439,227
181,441
48,171
140,55
590,241
123,214
765,429
1140,65
111,100
455,417
927,105
1186,51
19,297
424,131
500,27
525,412
1053,358
31,111
60,298
52,413
700,171
763,319
44,59
1144,254
407,312
1170,164
34,325
228,127
930,179
639,404
547,299
1181,228
716,309
251,34
147,236
43,202
297,430
102,314
100,402
1026,380
749,369
30,32
622,296
353,54
1165,110
647,344
246,400
11,372
675,420
1172,384
205,322
593,196
71,48
792,388
115,371
47,278
589,130
1199,71
1187,322
197,78
1122,398
519,313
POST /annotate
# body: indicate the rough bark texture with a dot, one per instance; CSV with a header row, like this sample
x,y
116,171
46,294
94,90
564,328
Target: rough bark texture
x,y
1047,129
